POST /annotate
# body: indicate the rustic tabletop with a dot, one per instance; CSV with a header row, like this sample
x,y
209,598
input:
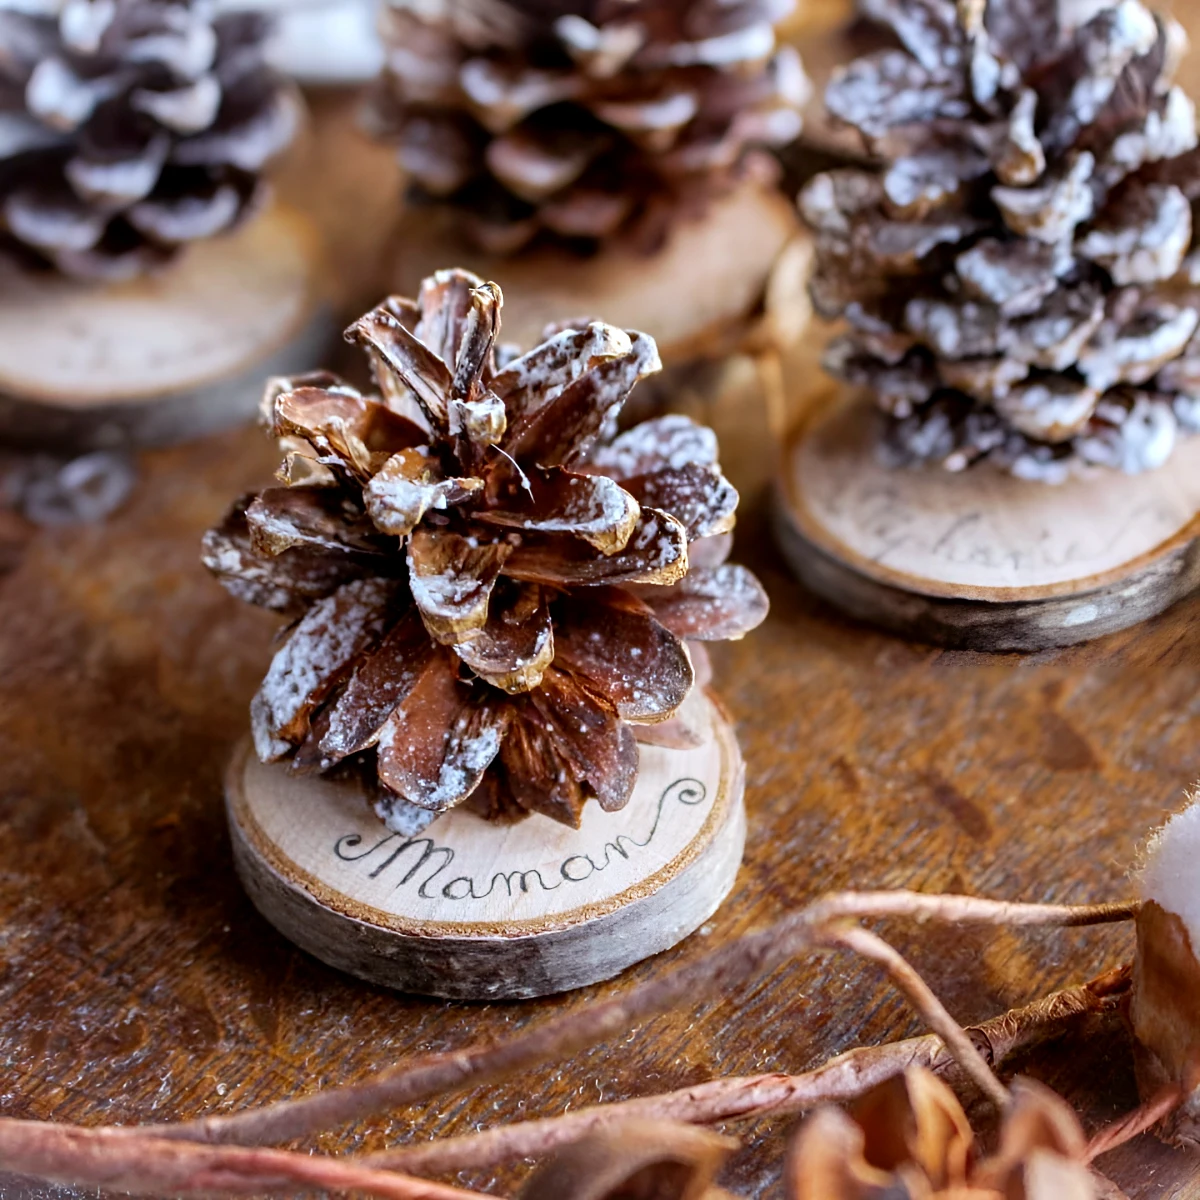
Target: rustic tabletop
x,y
137,982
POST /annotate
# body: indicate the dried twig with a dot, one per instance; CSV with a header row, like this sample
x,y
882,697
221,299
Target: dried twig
x,y
928,1006
436,1074
127,1161
1144,1117
841,1078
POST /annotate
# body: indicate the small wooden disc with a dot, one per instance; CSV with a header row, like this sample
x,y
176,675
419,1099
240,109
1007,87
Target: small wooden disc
x,y
172,355
980,559
474,910
697,297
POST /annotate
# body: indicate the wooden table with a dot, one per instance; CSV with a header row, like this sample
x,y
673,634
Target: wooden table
x,y
137,983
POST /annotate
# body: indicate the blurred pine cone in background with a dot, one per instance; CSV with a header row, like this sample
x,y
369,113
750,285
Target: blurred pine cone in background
x,y
582,119
131,127
493,590
1020,280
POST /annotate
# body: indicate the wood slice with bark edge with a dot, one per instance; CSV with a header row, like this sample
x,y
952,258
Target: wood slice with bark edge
x,y
979,559
732,279
474,910
167,357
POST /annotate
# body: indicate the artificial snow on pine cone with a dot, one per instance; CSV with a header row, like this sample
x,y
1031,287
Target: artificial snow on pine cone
x,y
492,589
582,120
1019,280
129,128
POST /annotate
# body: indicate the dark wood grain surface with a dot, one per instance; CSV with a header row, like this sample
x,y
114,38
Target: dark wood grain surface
x,y
137,983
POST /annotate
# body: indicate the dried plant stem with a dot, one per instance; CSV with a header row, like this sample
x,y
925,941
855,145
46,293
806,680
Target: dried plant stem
x,y
930,1009
1144,1117
127,1161
717,973
744,1098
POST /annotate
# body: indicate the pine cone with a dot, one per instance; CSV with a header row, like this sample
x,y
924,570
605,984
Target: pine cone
x,y
582,119
492,587
131,127
1020,281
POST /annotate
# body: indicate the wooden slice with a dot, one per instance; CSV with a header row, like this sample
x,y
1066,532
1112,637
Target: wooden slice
x,y
157,359
980,559
473,910
702,295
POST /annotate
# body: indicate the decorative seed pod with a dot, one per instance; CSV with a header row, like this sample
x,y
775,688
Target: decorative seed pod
x,y
1020,280
585,120
131,128
910,1137
1166,973
494,591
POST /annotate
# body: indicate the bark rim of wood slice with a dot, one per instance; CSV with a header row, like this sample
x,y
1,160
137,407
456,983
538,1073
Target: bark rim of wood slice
x,y
530,909
160,358
979,559
741,269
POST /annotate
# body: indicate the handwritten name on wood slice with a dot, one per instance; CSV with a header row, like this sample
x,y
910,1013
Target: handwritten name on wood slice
x,y
472,909
979,557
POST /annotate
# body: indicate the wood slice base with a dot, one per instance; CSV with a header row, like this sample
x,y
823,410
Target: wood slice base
x,y
980,559
472,910
156,360
703,295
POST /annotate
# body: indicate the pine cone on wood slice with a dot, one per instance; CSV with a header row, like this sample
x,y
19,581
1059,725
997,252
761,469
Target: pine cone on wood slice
x,y
583,121
1020,281
491,589
129,128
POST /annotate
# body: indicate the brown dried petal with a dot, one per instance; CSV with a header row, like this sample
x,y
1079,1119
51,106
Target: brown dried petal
x,y
562,430
663,1160
420,370
319,651
1050,212
1133,350
382,679
826,1162
1142,235
539,778
1050,409
880,92
542,374
601,750
451,577
617,643
711,604
317,517
699,496
436,747
286,583
514,648
1014,275
670,442
444,305
594,508
655,553
408,486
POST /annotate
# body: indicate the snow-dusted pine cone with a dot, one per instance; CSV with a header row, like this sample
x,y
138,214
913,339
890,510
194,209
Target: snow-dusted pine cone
x,y
130,127
1020,282
582,119
493,589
